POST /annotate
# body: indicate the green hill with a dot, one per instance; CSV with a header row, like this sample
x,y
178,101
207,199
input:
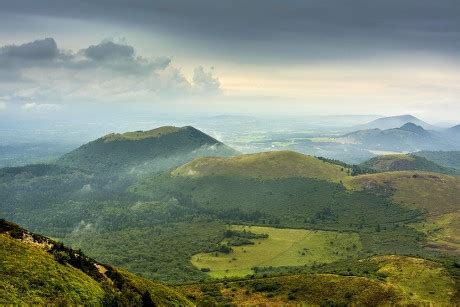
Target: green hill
x,y
265,165
145,151
402,162
435,194
450,159
38,270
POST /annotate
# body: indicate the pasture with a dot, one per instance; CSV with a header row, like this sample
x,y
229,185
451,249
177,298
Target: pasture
x,y
283,247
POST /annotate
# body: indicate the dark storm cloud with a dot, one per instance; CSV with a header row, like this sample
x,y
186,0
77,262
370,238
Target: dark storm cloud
x,y
45,53
307,28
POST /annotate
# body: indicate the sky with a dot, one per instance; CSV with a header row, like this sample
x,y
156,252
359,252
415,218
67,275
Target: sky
x,y
72,59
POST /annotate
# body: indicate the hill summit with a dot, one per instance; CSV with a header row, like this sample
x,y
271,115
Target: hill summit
x,y
143,151
264,165
402,162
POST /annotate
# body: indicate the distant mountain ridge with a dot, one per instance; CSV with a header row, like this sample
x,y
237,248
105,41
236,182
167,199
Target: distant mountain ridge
x,y
407,138
391,122
142,151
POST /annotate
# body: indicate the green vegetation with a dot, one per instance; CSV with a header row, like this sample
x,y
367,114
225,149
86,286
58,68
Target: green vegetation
x,y
33,276
401,162
449,159
282,247
37,270
158,252
421,281
144,152
140,135
309,289
384,280
288,202
436,194
131,206
265,165
433,192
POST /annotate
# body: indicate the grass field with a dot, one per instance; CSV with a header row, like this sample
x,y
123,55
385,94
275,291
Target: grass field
x,y
265,165
283,247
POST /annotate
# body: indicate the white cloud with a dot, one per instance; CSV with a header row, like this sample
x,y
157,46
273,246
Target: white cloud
x,y
204,81
3,105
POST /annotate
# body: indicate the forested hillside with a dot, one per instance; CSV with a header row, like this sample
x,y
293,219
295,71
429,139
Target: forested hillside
x,y
144,151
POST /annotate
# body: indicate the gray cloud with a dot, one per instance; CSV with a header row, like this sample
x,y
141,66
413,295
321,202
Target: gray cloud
x,y
309,29
107,54
108,51
120,57
45,49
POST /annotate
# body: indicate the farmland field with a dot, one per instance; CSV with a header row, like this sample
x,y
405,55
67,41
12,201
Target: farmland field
x,y
283,247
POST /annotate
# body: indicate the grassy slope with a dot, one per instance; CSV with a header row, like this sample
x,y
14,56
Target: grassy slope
x,y
37,270
311,289
421,281
283,247
401,162
266,165
449,159
31,275
396,280
438,195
